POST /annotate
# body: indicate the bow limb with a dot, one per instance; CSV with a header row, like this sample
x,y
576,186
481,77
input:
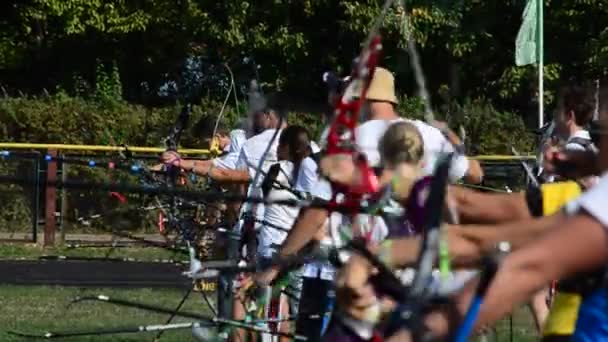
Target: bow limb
x,y
341,141
171,178
214,148
171,144
341,137
430,119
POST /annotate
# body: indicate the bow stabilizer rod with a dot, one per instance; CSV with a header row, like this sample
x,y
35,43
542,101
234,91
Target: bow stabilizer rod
x,y
191,315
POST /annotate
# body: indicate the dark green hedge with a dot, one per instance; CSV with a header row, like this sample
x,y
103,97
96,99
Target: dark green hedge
x,y
73,120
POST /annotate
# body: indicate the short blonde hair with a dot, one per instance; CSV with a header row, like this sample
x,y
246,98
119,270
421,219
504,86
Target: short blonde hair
x,y
401,143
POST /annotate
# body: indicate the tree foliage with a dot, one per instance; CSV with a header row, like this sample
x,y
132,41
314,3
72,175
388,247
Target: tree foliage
x,y
467,46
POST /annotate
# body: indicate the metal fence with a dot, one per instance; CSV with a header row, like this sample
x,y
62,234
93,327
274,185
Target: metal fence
x,y
32,204
20,205
59,213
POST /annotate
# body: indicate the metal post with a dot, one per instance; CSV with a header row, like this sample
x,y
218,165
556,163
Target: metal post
x,y
63,204
36,199
596,111
50,202
541,65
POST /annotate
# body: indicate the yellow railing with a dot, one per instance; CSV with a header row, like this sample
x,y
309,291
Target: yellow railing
x,y
502,157
137,149
95,148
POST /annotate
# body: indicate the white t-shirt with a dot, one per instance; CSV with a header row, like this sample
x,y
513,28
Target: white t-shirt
x,y
249,159
368,136
229,161
373,226
307,175
253,150
593,201
278,219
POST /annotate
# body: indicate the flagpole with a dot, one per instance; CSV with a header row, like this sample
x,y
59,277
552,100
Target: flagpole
x,y
541,65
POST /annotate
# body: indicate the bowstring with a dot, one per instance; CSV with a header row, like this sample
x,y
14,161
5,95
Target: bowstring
x,y
444,261
415,63
429,117
378,22
221,114
527,168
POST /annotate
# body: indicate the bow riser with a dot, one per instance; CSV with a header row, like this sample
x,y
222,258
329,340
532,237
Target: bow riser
x,y
348,107
342,134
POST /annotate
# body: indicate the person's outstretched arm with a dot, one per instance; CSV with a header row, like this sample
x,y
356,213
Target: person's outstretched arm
x,y
205,168
479,207
579,244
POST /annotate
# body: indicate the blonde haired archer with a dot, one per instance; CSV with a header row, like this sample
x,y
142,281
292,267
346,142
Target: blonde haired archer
x,y
402,151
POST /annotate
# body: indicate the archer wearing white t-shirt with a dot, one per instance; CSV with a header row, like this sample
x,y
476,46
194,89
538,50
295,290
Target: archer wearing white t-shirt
x,y
282,182
286,180
574,113
573,244
221,168
435,143
259,148
233,151
381,101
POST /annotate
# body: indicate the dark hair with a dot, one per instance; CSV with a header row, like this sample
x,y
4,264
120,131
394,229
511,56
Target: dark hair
x,y
578,100
222,129
205,126
276,103
297,140
292,136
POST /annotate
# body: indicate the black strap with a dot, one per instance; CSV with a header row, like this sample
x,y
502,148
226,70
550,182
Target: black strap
x,y
534,199
584,283
273,226
270,179
595,129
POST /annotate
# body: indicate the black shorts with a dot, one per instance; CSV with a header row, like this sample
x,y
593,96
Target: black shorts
x,y
315,302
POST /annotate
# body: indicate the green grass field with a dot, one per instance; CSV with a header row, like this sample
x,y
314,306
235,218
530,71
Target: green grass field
x,y
31,251
38,309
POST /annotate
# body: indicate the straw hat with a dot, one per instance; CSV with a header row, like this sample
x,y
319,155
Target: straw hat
x,y
382,87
